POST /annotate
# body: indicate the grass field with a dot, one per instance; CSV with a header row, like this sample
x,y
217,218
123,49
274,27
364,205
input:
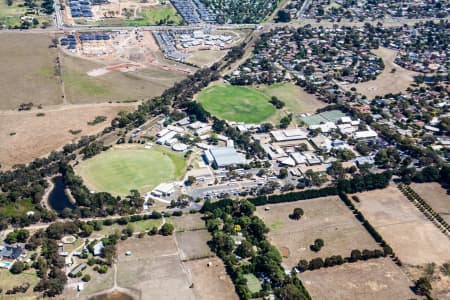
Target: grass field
x,y
28,67
114,86
414,239
436,196
369,280
10,15
53,128
121,169
236,103
253,283
326,218
167,267
8,281
156,16
383,84
295,98
16,209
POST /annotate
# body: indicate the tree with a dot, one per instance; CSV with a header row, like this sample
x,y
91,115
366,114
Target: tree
x,y
245,249
355,255
297,213
291,292
17,267
285,121
283,16
167,229
422,286
316,263
190,180
283,173
86,278
318,244
302,265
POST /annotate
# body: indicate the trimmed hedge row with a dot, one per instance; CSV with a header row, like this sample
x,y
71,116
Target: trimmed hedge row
x,y
295,196
358,184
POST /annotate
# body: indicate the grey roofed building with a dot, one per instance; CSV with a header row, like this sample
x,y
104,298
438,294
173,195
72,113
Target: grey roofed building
x,y
225,156
11,252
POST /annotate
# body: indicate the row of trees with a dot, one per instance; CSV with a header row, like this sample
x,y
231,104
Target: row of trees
x,y
335,260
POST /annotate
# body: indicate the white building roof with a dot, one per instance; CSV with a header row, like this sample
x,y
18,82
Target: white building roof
x,y
224,156
367,134
289,135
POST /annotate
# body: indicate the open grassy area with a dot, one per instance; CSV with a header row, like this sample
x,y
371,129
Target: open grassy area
x,y
8,281
236,103
253,283
414,239
156,16
28,67
113,86
120,170
16,209
10,14
326,218
295,98
53,128
369,280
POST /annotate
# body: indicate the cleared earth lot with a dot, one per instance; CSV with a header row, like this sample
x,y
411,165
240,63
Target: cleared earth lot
x,y
28,70
436,196
27,136
326,218
369,280
414,239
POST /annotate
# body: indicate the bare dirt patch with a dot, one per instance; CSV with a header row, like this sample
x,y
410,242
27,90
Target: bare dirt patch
x,y
326,218
369,280
384,83
28,70
35,136
414,238
436,196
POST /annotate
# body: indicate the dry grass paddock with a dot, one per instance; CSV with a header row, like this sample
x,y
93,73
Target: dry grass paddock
x,y
27,136
414,238
174,267
383,85
369,280
326,218
114,86
28,68
193,244
436,196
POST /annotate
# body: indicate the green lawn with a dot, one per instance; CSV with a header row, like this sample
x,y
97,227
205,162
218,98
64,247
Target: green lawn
x,y
17,209
236,103
119,170
160,15
253,283
156,16
295,98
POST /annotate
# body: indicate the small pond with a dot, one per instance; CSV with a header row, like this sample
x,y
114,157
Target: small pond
x,y
58,199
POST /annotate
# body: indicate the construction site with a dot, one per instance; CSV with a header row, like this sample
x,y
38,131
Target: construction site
x,y
120,50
